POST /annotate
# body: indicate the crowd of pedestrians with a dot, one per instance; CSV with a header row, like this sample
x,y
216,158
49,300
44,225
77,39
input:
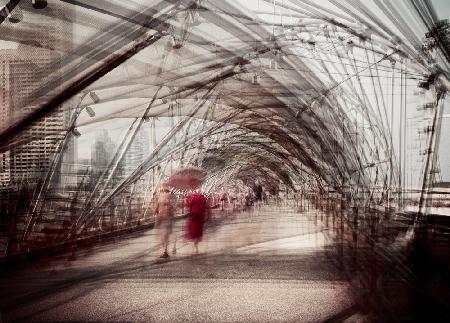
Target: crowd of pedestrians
x,y
197,206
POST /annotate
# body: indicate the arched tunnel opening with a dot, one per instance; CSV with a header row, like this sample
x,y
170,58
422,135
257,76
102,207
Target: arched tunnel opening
x,y
315,132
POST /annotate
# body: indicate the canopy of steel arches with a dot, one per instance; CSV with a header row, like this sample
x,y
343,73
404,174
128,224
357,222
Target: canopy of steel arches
x,y
279,84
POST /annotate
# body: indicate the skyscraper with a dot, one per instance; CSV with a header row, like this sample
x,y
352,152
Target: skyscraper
x,y
23,68
102,151
30,160
137,152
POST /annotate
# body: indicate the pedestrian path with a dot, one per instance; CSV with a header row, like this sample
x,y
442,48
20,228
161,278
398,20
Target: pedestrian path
x,y
267,265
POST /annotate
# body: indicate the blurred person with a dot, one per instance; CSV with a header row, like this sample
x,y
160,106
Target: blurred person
x,y
164,212
233,198
199,212
223,199
258,193
242,200
265,198
248,200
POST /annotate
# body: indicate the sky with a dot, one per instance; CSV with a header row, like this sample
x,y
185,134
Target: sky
x,y
442,8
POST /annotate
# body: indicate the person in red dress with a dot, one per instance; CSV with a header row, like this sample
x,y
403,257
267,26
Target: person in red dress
x,y
199,212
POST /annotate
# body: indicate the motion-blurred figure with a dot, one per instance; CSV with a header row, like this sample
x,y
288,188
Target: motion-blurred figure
x,y
233,197
199,212
259,193
223,199
248,200
164,212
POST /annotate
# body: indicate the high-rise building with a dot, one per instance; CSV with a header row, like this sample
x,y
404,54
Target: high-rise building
x,y
102,151
22,71
30,160
5,100
137,152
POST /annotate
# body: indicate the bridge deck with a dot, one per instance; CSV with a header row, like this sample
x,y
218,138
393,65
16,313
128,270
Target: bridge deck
x,y
271,264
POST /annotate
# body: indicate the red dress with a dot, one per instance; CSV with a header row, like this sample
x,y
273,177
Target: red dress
x,y
198,208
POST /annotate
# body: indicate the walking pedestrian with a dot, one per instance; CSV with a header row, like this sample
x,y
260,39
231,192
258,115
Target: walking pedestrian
x,y
199,212
164,212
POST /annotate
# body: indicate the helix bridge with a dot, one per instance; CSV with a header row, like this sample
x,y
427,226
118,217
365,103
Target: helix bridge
x,y
334,105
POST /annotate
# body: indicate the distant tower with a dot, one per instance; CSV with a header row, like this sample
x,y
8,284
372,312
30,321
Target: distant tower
x,y
102,151
137,152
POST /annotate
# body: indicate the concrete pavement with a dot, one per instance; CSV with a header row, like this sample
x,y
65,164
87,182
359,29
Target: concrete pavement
x,y
269,265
